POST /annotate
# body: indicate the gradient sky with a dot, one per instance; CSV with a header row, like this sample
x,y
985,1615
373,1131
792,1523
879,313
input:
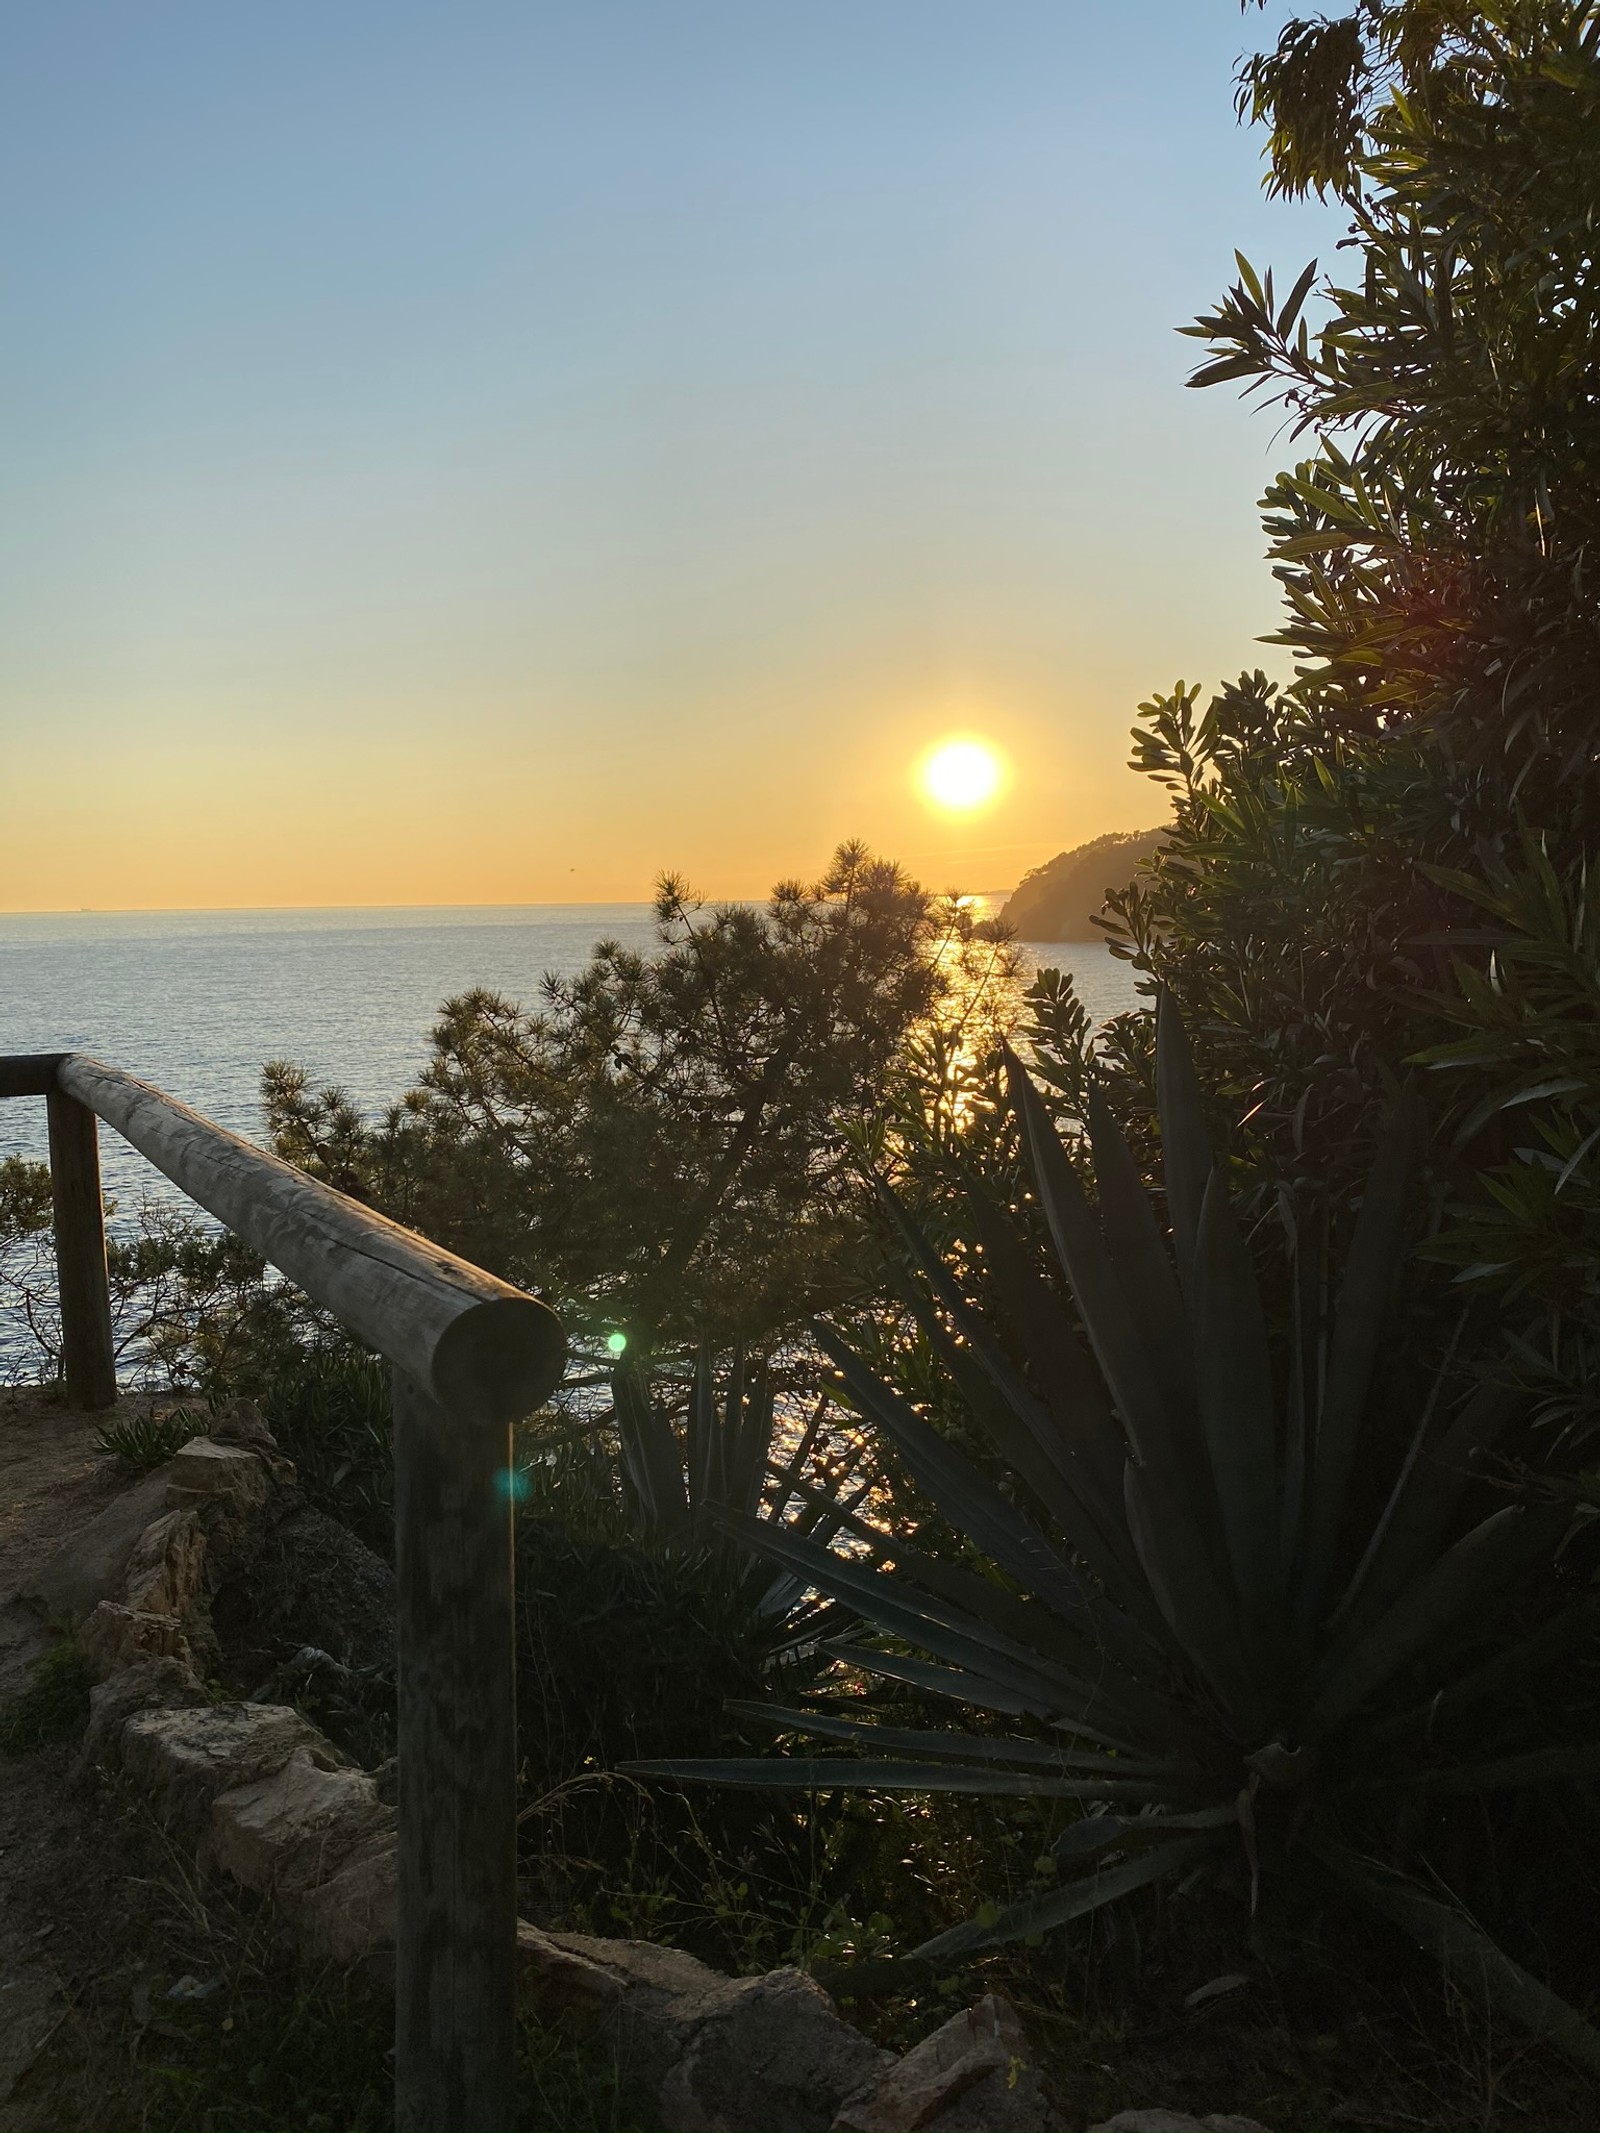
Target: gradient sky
x,y
493,452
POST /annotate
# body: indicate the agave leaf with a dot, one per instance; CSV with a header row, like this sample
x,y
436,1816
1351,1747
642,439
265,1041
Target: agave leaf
x,y
1170,1534
1115,1334
1071,1386
1238,1408
1422,1503
1519,1666
1140,1255
748,1466
1058,1907
1544,1766
1185,1143
704,1438
1471,1958
1073,1487
971,1503
1083,1643
975,1690
849,1773
1201,1618
1097,1834
996,1407
651,1460
791,1472
1051,1692
1488,1560
1372,1271
964,1747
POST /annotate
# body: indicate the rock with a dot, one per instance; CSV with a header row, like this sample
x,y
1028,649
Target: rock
x,y
159,1682
228,1476
699,2052
241,1422
556,1979
92,1565
772,2051
187,1757
115,1638
352,1913
289,1832
312,1582
975,2075
1177,2122
167,1568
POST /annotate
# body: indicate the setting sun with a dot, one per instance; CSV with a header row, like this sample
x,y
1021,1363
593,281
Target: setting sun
x,y
961,775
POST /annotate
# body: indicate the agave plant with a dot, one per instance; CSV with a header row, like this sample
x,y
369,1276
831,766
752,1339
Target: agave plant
x,y
1225,1657
684,1483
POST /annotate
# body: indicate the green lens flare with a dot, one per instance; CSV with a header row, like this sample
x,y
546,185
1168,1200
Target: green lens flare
x,y
616,1342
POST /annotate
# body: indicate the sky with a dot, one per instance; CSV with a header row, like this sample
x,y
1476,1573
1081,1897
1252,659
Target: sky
x,y
489,452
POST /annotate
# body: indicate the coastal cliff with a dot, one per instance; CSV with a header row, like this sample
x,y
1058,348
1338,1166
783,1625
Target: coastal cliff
x,y
1059,901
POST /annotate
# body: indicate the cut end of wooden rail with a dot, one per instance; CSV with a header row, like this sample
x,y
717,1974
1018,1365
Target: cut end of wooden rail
x,y
502,1358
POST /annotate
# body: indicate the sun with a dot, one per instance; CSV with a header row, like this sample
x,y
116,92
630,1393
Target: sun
x,y
961,775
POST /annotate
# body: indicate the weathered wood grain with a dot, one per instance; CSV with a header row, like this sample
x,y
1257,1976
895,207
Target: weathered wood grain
x,y
470,1339
88,1359
29,1073
455,1983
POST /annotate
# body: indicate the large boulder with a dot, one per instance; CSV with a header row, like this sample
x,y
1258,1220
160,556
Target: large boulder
x,y
186,1757
291,1831
698,2052
975,2075
153,1681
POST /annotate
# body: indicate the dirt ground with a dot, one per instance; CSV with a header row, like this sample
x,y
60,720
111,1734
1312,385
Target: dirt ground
x,y
53,1479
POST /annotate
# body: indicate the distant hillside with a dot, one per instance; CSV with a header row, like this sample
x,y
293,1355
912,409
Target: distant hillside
x,y
1058,901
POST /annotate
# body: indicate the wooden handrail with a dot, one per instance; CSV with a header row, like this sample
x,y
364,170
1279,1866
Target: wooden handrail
x,y
471,1354
455,1330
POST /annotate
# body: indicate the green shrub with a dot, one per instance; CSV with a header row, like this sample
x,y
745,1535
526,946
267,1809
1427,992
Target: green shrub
x,y
148,1441
55,1702
1270,1637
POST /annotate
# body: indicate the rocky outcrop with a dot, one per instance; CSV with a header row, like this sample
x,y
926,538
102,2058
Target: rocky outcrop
x,y
975,2075
1061,900
698,2052
1177,2122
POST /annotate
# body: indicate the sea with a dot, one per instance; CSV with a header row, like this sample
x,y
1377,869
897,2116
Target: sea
x,y
197,1001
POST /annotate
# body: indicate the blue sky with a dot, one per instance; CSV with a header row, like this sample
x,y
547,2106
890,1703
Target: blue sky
x,y
487,452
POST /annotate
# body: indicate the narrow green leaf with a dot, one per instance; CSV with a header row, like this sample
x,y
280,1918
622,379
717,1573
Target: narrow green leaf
x,y
1238,1409
822,1773
1473,1961
1422,1503
972,1503
1545,1766
1058,1907
965,1747
1377,1253
1139,1254
1483,1563
1185,1143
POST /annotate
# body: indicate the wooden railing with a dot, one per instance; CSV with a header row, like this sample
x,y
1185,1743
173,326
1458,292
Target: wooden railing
x,y
470,1355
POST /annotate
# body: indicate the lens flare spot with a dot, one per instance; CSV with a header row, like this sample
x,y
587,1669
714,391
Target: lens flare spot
x,y
616,1343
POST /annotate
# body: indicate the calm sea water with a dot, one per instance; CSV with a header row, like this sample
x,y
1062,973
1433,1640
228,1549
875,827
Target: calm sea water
x,y
196,1001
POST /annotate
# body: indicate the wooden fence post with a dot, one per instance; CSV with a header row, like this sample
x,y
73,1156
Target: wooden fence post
x,y
88,1361
455,1969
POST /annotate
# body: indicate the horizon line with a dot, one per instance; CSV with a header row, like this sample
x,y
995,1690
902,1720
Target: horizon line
x,y
596,903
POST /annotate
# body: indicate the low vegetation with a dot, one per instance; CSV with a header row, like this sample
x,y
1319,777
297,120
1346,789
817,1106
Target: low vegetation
x,y
1106,1512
